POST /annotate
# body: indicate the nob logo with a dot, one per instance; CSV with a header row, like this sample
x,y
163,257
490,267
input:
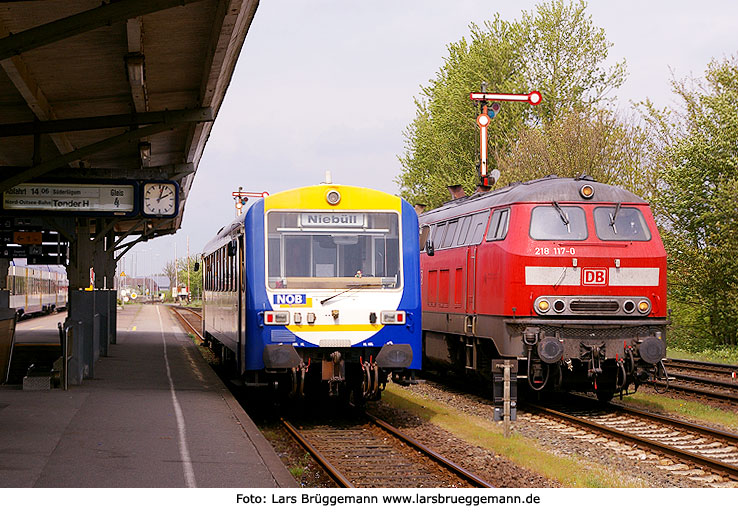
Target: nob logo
x,y
594,276
289,299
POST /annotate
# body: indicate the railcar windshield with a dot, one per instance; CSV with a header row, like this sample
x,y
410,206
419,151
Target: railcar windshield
x,y
558,223
618,223
329,250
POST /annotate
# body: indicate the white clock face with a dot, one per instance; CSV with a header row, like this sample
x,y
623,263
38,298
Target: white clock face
x,y
159,198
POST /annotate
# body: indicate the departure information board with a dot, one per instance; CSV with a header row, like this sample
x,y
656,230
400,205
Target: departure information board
x,y
100,198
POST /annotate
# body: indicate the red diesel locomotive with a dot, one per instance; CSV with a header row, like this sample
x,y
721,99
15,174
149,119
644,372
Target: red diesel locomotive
x,y
568,276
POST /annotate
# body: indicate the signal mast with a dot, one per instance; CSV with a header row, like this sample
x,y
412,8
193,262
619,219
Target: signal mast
x,y
485,118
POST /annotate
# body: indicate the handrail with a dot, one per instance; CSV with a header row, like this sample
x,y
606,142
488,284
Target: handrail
x,y
65,339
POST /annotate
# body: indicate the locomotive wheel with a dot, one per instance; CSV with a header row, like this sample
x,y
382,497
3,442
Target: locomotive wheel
x,y
605,395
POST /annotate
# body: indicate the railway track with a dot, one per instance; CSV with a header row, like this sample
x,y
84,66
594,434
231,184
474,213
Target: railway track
x,y
725,370
704,379
675,446
367,453
371,453
191,319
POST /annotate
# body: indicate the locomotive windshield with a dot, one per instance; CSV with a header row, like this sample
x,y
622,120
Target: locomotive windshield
x,y
558,223
621,224
328,250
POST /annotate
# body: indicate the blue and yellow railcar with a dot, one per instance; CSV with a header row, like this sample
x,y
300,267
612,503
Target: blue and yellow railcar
x,y
317,289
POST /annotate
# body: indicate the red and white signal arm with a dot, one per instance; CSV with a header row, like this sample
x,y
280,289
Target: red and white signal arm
x,y
533,98
244,194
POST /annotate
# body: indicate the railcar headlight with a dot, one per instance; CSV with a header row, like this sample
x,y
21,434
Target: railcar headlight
x,y
333,197
559,306
276,318
644,306
392,317
629,306
587,191
543,305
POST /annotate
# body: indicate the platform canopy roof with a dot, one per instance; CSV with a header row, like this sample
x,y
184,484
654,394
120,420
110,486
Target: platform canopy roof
x,y
96,90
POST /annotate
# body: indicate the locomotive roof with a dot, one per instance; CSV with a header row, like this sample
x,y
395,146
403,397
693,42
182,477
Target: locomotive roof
x,y
547,189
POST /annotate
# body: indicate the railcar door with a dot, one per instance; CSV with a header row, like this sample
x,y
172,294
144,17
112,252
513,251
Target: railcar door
x,y
241,305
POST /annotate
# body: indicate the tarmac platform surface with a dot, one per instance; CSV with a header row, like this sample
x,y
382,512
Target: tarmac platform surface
x,y
154,415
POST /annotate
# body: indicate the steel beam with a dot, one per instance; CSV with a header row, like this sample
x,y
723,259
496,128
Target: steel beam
x,y
81,175
128,137
104,122
106,14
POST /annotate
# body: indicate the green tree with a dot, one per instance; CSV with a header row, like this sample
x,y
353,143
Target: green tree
x,y
698,206
187,275
593,142
556,50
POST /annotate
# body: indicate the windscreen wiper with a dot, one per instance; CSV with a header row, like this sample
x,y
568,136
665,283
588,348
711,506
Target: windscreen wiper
x,y
613,217
563,215
352,288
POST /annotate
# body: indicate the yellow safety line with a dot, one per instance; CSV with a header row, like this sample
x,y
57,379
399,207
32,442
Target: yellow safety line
x,y
334,328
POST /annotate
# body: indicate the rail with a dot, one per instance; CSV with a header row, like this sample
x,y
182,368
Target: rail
x,y
356,455
721,467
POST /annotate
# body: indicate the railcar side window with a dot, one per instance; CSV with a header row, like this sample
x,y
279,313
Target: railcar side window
x,y
558,222
621,224
498,226
327,250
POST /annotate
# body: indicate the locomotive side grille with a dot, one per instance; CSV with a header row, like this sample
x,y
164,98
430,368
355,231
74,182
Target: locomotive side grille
x,y
592,333
594,306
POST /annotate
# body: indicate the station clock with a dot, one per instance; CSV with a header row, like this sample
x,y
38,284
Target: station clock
x,y
160,198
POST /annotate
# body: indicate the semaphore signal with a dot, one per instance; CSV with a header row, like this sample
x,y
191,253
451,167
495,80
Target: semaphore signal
x,y
241,197
485,117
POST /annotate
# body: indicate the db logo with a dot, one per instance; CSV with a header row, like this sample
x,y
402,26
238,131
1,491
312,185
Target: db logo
x,y
594,276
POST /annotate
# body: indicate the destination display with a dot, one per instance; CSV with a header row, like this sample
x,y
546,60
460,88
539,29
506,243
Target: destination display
x,y
329,219
111,198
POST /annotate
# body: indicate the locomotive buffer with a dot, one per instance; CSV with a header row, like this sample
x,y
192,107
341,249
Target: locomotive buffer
x,y
504,389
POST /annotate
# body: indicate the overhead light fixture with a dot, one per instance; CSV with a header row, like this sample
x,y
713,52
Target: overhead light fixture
x,y
144,151
135,68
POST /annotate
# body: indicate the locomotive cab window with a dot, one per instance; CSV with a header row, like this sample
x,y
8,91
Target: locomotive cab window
x,y
558,223
328,250
621,224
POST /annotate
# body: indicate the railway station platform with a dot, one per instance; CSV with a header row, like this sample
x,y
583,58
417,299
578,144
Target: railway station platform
x,y
154,416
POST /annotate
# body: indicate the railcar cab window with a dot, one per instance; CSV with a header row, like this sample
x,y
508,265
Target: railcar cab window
x,y
620,224
328,250
558,223
498,226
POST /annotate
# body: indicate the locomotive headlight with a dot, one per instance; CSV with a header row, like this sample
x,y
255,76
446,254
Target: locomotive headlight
x,y
644,306
543,305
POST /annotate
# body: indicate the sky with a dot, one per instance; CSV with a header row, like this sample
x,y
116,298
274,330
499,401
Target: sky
x,y
330,85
